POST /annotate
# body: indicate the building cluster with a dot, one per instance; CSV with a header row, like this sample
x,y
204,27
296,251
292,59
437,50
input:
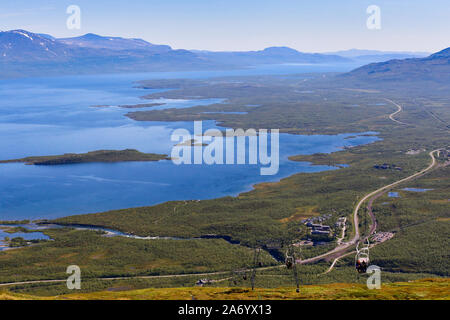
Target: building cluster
x,y
319,228
386,166
445,154
316,226
382,236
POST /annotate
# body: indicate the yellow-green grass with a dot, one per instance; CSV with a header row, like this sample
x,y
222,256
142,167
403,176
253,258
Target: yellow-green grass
x,y
426,289
302,213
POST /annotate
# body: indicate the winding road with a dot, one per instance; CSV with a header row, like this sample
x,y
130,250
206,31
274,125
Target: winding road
x,y
371,197
389,186
400,109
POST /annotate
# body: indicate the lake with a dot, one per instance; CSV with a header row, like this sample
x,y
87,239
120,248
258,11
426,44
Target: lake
x,y
32,235
48,116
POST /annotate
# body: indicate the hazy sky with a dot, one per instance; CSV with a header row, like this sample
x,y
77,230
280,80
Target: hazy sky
x,y
306,25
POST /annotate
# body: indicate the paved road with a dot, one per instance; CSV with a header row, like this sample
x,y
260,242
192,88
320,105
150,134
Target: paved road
x,y
385,188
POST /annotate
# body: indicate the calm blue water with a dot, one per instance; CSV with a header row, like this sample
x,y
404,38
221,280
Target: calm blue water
x,y
55,116
393,195
27,236
416,189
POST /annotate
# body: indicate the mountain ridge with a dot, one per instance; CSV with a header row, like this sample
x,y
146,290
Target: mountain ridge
x,y
435,67
113,43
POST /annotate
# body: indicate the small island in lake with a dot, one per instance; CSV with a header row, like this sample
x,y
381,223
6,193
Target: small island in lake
x,y
191,143
93,156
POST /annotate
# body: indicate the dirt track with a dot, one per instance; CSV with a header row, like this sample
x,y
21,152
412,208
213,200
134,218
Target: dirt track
x,y
400,109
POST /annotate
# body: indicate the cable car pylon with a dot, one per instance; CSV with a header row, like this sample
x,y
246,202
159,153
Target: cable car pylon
x,y
291,263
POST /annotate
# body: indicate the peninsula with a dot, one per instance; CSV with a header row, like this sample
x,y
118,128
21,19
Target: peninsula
x,y
93,156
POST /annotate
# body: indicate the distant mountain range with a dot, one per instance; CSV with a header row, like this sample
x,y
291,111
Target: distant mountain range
x,y
270,56
24,46
435,67
23,53
369,56
94,41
